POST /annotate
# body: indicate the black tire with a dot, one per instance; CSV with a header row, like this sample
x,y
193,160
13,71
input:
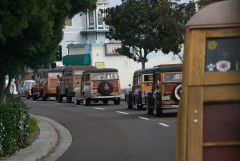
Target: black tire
x,y
57,93
105,88
86,102
157,110
130,106
60,99
77,102
105,102
69,99
139,106
42,96
28,96
150,111
34,97
138,102
129,100
116,101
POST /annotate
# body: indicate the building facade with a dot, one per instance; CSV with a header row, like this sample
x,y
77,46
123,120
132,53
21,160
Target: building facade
x,y
85,42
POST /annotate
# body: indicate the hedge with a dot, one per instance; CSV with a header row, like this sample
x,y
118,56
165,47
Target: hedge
x,y
13,126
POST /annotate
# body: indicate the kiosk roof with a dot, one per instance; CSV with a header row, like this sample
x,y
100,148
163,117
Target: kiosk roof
x,y
220,14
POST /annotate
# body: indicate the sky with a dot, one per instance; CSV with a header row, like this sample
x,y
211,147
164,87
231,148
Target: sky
x,y
113,3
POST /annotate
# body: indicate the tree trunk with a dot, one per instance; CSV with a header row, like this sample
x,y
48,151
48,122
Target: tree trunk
x,y
143,64
2,88
143,58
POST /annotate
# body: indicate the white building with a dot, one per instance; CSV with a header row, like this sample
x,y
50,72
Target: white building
x,y
85,42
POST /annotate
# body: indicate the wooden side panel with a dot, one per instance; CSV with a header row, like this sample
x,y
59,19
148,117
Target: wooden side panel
x,y
223,32
221,132
182,135
197,58
195,121
221,93
199,88
221,122
221,154
218,78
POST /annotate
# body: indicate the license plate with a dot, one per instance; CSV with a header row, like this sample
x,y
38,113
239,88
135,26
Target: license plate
x,y
93,91
165,98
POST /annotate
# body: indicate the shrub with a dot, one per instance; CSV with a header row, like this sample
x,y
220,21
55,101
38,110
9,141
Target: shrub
x,y
13,125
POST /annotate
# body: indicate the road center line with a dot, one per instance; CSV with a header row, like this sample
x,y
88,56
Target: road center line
x,y
97,108
144,118
125,113
165,125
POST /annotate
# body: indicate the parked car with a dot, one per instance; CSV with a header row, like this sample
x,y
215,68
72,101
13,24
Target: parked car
x,y
25,88
99,85
166,89
46,82
142,84
70,79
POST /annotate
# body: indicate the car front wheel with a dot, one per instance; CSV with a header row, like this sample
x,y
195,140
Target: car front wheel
x,y
116,101
86,101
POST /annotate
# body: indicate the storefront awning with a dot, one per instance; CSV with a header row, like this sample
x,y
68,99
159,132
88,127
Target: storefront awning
x,y
81,59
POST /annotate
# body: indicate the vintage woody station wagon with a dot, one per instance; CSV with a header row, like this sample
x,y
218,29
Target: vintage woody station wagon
x,y
166,89
99,85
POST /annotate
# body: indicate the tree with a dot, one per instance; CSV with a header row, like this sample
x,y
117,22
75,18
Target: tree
x,y
144,26
30,31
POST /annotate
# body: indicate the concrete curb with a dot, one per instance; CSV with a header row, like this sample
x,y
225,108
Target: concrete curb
x,y
53,140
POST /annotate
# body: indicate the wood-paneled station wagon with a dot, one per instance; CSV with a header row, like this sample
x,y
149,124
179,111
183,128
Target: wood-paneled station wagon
x,y
99,85
166,89
70,79
46,82
208,127
142,84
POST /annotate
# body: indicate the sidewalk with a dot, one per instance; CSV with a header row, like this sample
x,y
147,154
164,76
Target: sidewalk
x,y
53,140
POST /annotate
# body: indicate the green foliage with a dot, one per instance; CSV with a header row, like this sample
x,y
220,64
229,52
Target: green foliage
x,y
81,5
13,125
30,31
32,125
144,26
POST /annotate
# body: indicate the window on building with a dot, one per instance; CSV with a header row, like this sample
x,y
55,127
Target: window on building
x,y
68,22
100,17
91,18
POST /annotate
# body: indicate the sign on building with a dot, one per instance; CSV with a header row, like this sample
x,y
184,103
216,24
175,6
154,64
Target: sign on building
x,y
110,48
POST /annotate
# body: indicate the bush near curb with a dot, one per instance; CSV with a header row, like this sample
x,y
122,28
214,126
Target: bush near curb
x,y
14,119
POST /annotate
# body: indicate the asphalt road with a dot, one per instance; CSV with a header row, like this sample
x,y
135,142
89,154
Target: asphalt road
x,y
111,133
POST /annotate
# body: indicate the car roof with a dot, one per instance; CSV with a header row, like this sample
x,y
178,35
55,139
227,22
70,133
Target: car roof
x,y
79,67
169,68
101,70
55,70
29,80
144,71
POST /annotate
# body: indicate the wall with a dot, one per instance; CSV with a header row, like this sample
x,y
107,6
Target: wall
x,y
125,66
72,33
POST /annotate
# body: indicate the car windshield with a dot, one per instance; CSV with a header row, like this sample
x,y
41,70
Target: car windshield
x,y
148,77
103,76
